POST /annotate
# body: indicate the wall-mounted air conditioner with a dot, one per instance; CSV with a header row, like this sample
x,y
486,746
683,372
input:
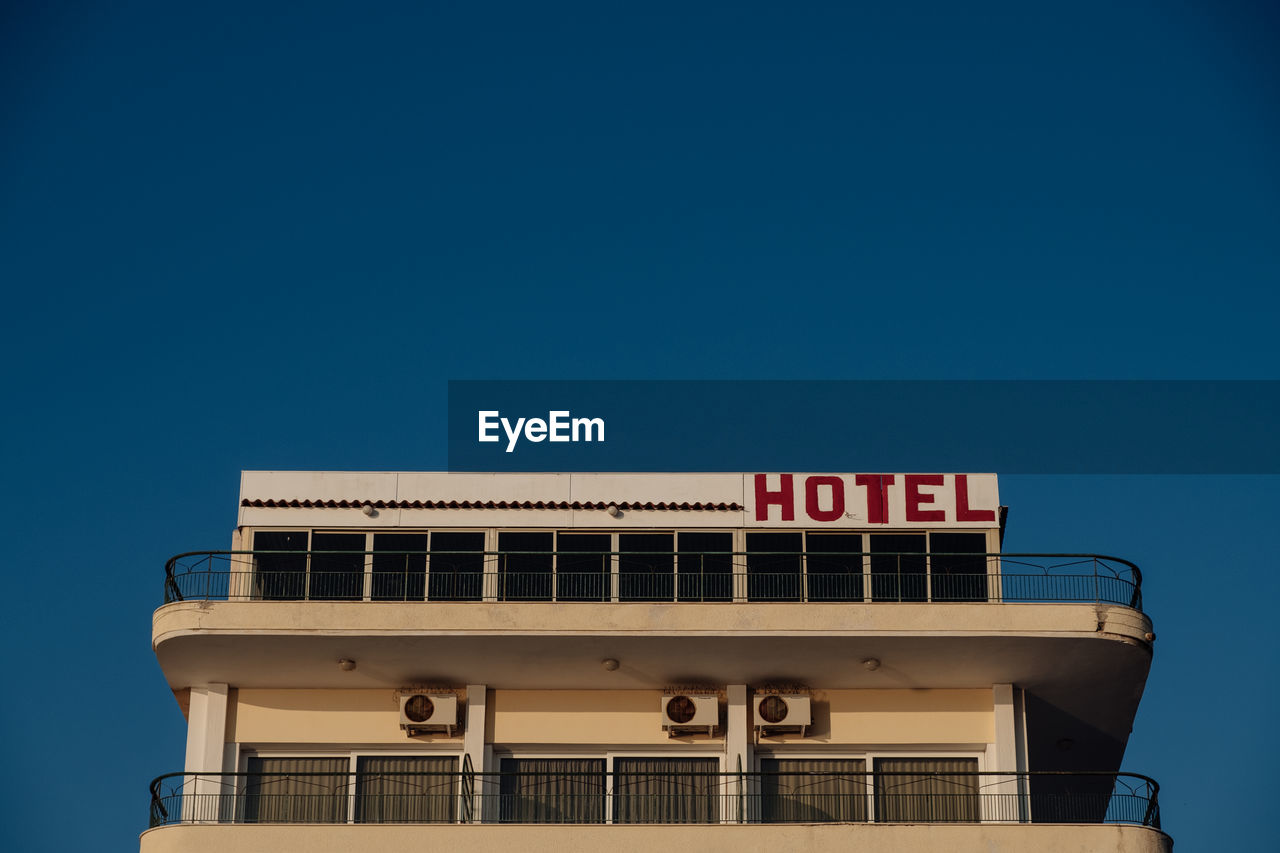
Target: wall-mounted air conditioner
x,y
428,712
686,711
783,711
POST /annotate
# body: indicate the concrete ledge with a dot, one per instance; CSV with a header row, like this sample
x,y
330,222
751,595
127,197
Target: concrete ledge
x,y
869,838
422,618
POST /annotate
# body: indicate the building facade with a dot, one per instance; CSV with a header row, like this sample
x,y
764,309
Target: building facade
x,y
633,661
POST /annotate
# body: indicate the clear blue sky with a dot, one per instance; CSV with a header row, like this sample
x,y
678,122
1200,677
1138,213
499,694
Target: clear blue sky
x,y
236,237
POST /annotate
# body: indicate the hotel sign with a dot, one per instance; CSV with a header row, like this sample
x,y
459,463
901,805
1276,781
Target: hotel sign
x,y
872,500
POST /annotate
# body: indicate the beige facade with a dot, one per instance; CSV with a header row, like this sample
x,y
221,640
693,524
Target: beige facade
x,y
563,613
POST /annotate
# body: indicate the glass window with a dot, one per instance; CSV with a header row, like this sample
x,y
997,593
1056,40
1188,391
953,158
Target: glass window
x,y
525,562
399,566
407,789
898,567
296,790
337,567
552,790
773,566
927,790
958,566
666,790
646,567
705,564
834,566
457,566
280,576
813,791
583,567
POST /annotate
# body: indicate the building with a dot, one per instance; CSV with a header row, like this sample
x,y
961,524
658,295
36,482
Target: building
x,y
639,661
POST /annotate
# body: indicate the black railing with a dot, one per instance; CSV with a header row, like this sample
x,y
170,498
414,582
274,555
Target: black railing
x,y
665,576
655,797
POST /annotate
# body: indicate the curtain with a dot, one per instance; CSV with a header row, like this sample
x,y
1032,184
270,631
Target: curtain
x,y
296,790
811,791
407,789
931,790
552,790
666,790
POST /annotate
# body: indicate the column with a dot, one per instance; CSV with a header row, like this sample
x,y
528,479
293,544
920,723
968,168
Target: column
x,y
206,738
1009,804
476,749
738,756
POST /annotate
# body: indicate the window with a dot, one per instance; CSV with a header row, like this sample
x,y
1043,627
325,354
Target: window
x,y
898,567
646,567
958,566
525,563
399,566
296,790
705,565
927,790
552,790
406,789
796,790
457,566
774,566
666,790
834,566
337,567
280,576
583,567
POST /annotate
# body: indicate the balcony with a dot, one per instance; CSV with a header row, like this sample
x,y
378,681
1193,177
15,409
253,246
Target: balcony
x,y
644,796
668,576
545,620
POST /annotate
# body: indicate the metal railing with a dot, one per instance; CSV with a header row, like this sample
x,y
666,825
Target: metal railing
x,y
656,797
650,576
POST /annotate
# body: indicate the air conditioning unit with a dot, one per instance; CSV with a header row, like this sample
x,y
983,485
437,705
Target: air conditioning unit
x,y
683,712
428,712
783,711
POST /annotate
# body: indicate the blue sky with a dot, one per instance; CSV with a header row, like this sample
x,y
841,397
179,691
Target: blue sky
x,y
237,237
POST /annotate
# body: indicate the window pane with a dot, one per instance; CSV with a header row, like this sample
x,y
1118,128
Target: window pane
x,y
834,566
958,566
296,790
552,790
582,567
524,566
337,576
706,566
409,789
646,567
773,566
898,567
399,566
280,576
666,790
817,791
927,790
457,566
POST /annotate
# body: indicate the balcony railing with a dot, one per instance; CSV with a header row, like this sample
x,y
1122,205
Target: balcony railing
x,y
614,576
655,797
